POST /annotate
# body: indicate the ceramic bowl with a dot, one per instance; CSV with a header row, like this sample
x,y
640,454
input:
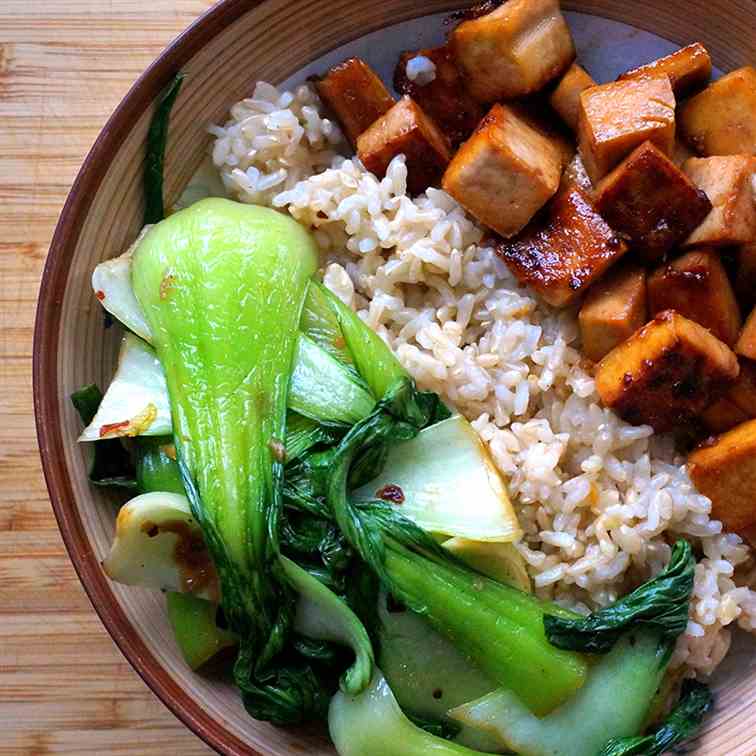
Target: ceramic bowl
x,y
236,43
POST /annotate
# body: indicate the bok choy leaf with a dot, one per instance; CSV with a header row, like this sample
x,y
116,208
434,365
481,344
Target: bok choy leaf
x,y
661,603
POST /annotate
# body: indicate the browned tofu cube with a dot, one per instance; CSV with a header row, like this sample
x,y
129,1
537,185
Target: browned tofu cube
x,y
564,250
615,118
724,469
650,200
723,415
745,277
575,173
505,172
539,117
613,311
406,130
445,97
729,184
688,69
746,343
356,95
513,51
696,285
722,119
666,373
565,99
743,392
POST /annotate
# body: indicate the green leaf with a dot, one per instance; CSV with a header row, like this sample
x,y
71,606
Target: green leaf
x,y
157,138
660,603
112,465
696,699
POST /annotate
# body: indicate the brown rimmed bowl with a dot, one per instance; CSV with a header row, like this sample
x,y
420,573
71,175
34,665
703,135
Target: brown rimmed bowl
x,y
234,44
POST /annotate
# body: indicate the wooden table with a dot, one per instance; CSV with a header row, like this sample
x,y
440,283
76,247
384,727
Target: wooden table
x,y
64,687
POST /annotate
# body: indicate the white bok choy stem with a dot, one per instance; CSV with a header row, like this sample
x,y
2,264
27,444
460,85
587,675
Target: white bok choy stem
x,y
445,481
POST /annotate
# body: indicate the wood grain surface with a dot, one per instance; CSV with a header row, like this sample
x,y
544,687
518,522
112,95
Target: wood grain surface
x,y
64,687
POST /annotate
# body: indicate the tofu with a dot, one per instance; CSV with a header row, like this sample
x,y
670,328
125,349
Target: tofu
x,y
649,199
737,405
688,69
407,130
542,120
616,118
722,416
575,173
564,250
514,50
614,309
666,373
697,286
729,184
746,343
356,95
505,172
445,99
721,120
724,469
565,99
745,277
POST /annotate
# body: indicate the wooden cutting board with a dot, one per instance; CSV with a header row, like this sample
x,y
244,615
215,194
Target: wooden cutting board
x,y
64,686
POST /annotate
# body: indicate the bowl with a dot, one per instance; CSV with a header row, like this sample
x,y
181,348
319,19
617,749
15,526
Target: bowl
x,y
234,44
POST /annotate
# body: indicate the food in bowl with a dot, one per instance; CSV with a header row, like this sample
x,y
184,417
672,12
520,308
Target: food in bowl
x,y
409,458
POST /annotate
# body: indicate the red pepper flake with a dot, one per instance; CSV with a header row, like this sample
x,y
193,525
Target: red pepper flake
x,y
100,295
392,493
112,427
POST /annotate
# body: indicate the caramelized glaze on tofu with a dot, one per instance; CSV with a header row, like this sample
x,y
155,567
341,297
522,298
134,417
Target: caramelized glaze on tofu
x,y
615,118
565,250
721,120
575,173
406,130
356,95
724,469
565,99
688,69
746,343
666,373
445,99
505,172
729,184
514,50
737,405
648,198
745,277
697,286
614,310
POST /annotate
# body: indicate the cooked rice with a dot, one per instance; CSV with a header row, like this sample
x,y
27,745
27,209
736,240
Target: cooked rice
x,y
600,501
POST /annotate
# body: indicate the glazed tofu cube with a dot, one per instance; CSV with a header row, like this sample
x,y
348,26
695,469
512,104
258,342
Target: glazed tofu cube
x,y
575,173
613,311
356,95
615,118
441,94
724,469
745,278
729,184
649,199
564,250
697,286
513,51
721,120
406,130
737,405
505,172
666,373
565,99
688,69
746,343
722,416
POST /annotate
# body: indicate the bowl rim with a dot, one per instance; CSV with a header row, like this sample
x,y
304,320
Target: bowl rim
x,y
47,404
